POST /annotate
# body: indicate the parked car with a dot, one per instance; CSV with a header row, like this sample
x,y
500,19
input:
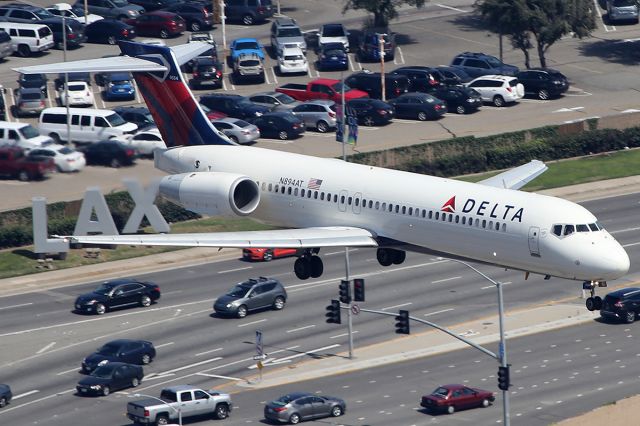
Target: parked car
x,y
623,305
117,293
622,10
139,352
420,106
111,153
74,32
73,76
292,60
371,83
118,86
332,56
195,15
23,13
479,64
5,395
453,76
27,39
65,158
450,398
158,23
267,254
544,83
246,46
461,100
109,31
371,112
275,101
146,141
151,5
279,124
321,88
285,32
111,9
22,135
79,92
206,72
233,105
369,45
317,114
137,115
211,114
248,12
15,163
421,79
252,295
33,81
248,66
334,33
110,377
498,90
29,101
297,406
6,46
237,130
66,10
211,53
87,125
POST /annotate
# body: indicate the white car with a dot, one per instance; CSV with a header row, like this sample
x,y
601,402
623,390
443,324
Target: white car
x,y
80,94
65,9
292,60
334,33
65,158
146,141
498,89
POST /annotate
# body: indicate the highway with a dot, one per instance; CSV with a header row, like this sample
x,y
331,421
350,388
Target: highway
x,y
43,342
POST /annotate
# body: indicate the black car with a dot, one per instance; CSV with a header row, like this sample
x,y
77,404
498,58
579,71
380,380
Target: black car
x,y
150,5
477,64
420,106
137,115
248,12
33,81
369,45
623,304
332,56
371,82
5,395
453,76
138,352
459,99
74,30
109,31
235,106
73,76
370,112
111,153
195,15
421,79
119,293
206,72
279,124
544,83
110,377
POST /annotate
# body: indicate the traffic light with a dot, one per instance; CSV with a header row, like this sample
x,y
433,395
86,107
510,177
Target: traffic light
x,y
402,322
358,289
503,378
345,292
333,313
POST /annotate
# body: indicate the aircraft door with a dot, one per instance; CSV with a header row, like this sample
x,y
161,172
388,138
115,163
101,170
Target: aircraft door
x,y
357,199
534,243
342,200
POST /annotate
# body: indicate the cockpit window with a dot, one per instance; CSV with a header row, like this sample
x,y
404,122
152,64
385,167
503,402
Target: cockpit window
x,y
593,227
600,227
568,229
557,230
563,230
582,228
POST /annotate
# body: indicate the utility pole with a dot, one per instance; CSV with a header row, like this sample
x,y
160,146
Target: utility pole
x,y
66,77
86,12
381,48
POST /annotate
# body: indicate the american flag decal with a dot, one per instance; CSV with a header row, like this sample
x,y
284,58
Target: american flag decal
x,y
314,183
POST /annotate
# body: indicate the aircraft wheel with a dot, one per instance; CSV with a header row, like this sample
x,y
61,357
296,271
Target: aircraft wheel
x,y
302,268
317,267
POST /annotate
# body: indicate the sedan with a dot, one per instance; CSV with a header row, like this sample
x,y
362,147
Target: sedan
x,y
29,101
110,377
418,106
158,23
281,125
112,153
449,398
276,101
5,395
297,406
79,92
267,254
237,130
146,141
461,100
118,293
370,112
65,158
109,31
139,352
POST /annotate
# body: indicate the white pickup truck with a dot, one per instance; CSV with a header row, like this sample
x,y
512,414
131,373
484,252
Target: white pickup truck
x,y
179,402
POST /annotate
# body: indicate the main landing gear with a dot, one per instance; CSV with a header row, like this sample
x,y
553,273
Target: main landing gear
x,y
593,303
309,265
388,256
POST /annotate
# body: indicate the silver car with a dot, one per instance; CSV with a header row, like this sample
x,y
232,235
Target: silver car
x,y
297,406
251,295
237,130
285,32
318,114
275,100
29,101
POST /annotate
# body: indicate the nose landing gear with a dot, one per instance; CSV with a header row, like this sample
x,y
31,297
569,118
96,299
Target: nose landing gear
x,y
593,303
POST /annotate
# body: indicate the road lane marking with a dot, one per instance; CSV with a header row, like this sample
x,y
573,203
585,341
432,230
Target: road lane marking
x,y
445,280
438,312
444,6
208,352
343,334
301,328
16,306
67,371
630,244
493,286
252,322
46,348
22,395
164,344
611,232
235,270
290,357
217,376
195,364
397,306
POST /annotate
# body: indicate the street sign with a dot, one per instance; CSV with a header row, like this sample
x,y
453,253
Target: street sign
x,y
355,309
259,345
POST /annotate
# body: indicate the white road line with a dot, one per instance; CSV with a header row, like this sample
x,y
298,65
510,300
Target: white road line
x,y
46,348
164,344
493,286
16,306
164,293
339,252
22,395
343,334
444,6
235,270
574,109
67,371
216,376
438,312
208,352
350,62
266,77
290,357
195,364
301,328
397,306
401,55
630,244
595,2
611,232
445,280
273,71
153,376
252,322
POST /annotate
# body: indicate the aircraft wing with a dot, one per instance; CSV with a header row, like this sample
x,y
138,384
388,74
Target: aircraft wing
x,y
282,238
518,177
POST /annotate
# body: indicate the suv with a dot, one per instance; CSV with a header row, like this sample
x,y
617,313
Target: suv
x,y
206,71
370,82
74,29
137,115
251,295
248,65
498,89
197,16
333,33
543,82
233,105
285,32
116,9
319,114
421,78
622,10
248,11
24,13
369,46
623,304
477,64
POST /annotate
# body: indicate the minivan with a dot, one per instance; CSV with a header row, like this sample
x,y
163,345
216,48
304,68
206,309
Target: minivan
x,y
87,125
22,135
27,39
371,82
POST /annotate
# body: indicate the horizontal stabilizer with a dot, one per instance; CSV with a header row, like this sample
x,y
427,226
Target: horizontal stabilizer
x,y
518,177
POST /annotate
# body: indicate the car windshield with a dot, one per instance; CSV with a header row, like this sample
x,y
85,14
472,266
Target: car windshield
x,y
103,372
338,87
115,120
29,132
289,32
284,400
334,52
66,150
109,350
245,103
284,99
249,63
333,31
31,96
240,290
247,45
241,123
104,289
494,62
293,58
43,14
32,77
76,87
443,392
624,3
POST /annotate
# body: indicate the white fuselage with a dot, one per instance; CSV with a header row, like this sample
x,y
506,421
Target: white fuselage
x,y
503,227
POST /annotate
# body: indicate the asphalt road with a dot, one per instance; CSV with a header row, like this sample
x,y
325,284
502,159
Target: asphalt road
x,y
43,342
601,70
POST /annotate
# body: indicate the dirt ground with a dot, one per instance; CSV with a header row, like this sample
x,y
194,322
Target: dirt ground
x,y
623,412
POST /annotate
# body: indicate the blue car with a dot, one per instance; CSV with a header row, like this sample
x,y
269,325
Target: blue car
x,y
332,56
246,45
118,87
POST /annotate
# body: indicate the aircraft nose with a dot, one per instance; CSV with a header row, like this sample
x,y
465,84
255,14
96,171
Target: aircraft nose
x,y
616,261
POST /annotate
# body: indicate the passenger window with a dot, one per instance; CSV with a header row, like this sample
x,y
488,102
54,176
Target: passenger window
x,y
464,220
497,226
289,190
504,227
484,223
270,187
85,120
404,209
277,188
302,193
282,189
424,213
397,208
437,216
568,229
264,186
384,206
457,219
350,200
377,205
557,230
444,217
201,395
322,196
295,192
357,202
315,195
13,135
309,194
430,214
450,217
491,225
186,396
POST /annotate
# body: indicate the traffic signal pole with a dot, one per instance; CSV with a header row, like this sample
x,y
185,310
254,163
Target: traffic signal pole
x,y
503,353
347,271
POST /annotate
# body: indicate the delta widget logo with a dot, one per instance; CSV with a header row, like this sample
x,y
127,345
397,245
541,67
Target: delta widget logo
x,y
449,206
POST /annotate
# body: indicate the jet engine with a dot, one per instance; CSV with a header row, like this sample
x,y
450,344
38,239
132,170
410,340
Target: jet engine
x,y
212,193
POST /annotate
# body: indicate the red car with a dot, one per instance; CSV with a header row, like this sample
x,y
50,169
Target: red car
x,y
449,398
158,23
267,254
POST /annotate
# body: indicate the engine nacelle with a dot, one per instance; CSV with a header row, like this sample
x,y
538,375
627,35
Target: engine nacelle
x,y
212,193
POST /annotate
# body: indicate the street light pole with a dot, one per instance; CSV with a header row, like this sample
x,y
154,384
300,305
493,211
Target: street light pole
x,y
66,78
178,410
382,81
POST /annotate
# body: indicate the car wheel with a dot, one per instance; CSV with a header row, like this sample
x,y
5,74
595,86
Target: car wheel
x,y
146,359
135,382
247,19
112,40
460,109
3,402
322,126
294,419
451,409
106,391
100,309
336,411
233,138
222,411
242,311
498,101
485,403
164,34
115,163
162,420
195,26
283,135
278,304
268,256
145,301
422,116
543,94
24,51
629,317
23,176
368,121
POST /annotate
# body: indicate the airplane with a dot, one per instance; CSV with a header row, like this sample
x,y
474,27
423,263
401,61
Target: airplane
x,y
325,202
